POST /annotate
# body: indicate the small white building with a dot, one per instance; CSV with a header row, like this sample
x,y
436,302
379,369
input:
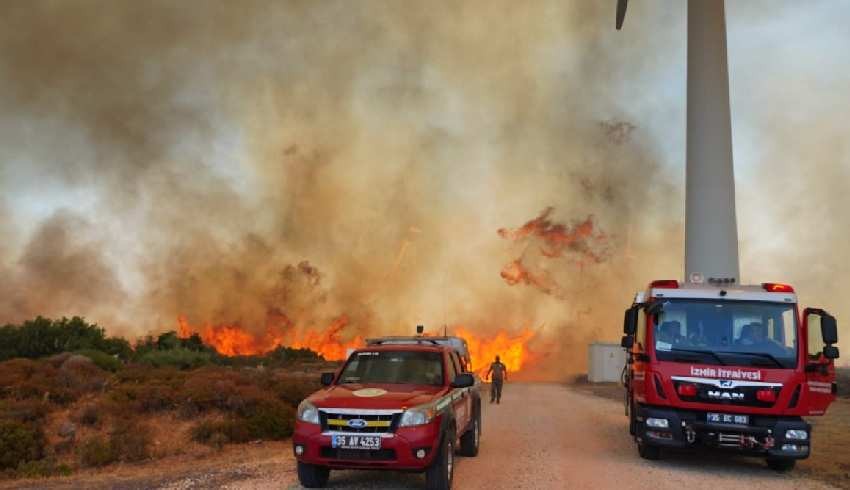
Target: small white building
x,y
605,362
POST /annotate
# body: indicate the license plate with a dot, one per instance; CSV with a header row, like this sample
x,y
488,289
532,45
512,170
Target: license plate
x,y
728,418
356,442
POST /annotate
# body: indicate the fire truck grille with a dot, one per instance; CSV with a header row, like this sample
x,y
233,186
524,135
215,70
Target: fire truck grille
x,y
745,396
358,423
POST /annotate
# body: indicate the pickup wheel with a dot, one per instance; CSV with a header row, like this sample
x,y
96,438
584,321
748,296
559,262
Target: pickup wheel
x,y
441,472
781,464
472,437
313,476
648,452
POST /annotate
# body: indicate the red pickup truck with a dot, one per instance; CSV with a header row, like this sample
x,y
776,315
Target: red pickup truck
x,y
399,406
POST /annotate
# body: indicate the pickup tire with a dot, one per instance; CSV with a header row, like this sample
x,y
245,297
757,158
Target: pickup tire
x,y
470,440
781,464
440,474
313,476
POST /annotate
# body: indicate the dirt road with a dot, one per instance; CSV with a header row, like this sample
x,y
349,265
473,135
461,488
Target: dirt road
x,y
542,436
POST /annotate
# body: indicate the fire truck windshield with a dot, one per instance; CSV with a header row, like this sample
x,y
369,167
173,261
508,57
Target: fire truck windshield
x,y
726,332
394,367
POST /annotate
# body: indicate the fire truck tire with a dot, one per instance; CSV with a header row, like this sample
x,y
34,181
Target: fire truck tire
x,y
649,452
781,464
470,439
312,476
440,474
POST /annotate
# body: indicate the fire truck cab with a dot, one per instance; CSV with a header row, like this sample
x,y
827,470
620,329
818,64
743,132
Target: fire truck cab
x,y
405,404
727,366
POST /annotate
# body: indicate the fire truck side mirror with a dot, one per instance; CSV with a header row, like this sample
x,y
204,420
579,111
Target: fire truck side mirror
x,y
630,321
327,379
829,329
627,341
830,352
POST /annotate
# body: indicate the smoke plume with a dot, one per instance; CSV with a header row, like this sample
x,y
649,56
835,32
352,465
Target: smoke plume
x,y
245,163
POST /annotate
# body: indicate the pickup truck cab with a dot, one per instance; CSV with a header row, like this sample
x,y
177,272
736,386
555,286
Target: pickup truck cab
x,y
400,406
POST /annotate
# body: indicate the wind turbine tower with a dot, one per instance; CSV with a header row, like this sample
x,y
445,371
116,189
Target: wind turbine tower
x,y
711,232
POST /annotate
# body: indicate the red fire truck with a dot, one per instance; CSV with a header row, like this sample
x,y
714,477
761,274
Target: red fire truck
x,y
727,366
404,404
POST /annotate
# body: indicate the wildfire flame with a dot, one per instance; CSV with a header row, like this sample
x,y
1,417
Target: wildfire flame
x,y
512,349
558,238
233,340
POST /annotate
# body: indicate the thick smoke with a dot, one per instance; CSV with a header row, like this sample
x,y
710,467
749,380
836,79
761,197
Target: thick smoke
x,y
164,159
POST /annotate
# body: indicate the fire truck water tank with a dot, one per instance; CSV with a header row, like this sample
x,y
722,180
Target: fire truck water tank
x,y
605,362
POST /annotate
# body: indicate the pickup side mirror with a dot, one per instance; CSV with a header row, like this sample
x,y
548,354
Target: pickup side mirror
x,y
630,321
627,341
327,379
829,329
464,380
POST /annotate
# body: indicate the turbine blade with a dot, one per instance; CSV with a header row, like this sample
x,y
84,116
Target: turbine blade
x,y
621,12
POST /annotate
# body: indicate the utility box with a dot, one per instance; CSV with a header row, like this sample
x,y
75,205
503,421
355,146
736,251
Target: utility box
x,y
605,362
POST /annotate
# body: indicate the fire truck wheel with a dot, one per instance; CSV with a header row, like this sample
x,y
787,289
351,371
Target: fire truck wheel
x,y
312,476
440,474
781,464
647,451
470,439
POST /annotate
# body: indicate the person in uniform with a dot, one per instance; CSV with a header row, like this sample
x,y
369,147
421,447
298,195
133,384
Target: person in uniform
x,y
499,373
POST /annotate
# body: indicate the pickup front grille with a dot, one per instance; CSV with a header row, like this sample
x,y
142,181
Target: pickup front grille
x,y
358,454
364,423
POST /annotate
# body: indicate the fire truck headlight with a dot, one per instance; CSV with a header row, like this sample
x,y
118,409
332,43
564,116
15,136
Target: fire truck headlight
x,y
796,435
416,416
307,412
657,423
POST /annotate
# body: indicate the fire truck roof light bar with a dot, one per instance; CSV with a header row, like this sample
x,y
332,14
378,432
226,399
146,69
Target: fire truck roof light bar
x,y
774,287
665,284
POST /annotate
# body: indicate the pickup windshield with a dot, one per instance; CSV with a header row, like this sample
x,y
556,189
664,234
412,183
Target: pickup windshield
x,y
394,367
749,333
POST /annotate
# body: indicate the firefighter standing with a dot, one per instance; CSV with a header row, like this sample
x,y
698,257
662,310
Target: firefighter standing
x,y
500,373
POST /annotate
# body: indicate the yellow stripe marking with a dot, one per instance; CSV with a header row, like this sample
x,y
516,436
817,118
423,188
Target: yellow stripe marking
x,y
369,423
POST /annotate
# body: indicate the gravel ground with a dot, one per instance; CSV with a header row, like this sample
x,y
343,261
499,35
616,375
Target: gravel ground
x,y
542,436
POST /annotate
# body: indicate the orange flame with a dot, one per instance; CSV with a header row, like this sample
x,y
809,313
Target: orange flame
x,y
233,340
557,238
513,350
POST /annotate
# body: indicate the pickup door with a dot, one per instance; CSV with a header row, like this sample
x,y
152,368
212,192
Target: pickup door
x,y
461,397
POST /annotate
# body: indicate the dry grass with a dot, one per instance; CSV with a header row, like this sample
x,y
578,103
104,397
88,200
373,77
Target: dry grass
x,y
143,412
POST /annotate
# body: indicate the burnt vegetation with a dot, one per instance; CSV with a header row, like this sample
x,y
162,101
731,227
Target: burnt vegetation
x,y
72,397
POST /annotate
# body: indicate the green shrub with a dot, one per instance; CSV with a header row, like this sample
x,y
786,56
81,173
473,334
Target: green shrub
x,y
89,415
101,359
41,469
96,451
129,441
271,422
179,358
27,411
19,443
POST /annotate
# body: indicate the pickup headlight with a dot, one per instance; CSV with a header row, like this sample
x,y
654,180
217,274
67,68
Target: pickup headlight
x,y
417,416
307,412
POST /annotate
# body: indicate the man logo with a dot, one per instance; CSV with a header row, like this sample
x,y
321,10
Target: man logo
x,y
725,383
725,395
357,423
